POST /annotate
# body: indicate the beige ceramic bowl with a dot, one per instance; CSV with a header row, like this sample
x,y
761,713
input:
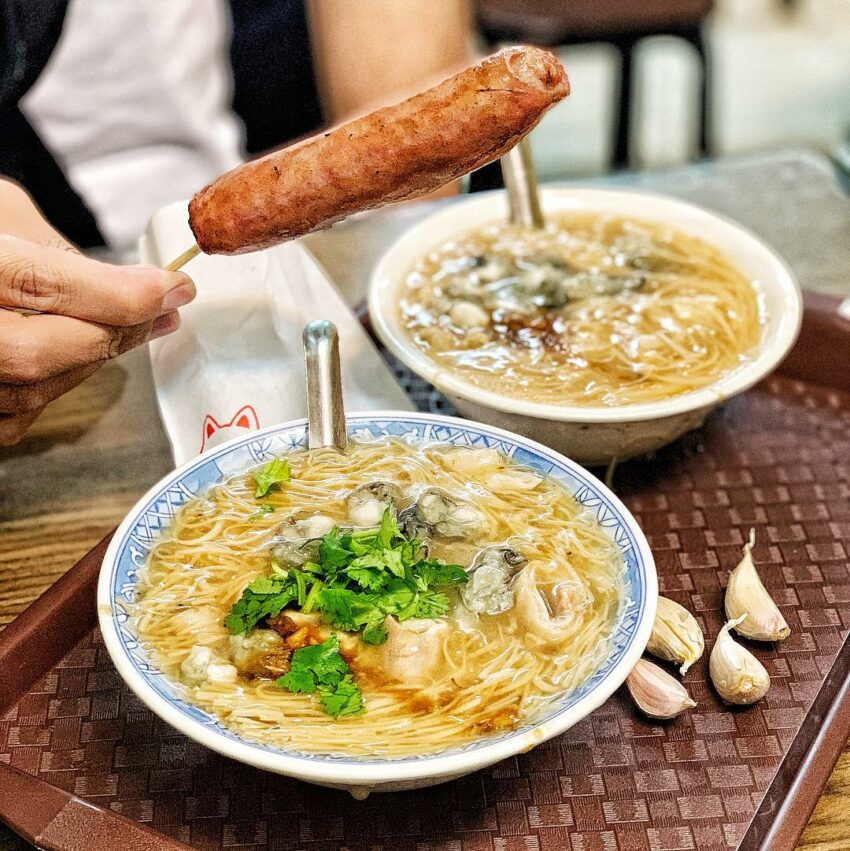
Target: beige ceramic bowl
x,y
592,434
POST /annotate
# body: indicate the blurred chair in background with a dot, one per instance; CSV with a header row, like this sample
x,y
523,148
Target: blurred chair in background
x,y
621,23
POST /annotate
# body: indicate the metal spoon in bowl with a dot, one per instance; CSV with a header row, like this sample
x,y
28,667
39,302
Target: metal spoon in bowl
x,y
521,183
525,211
325,410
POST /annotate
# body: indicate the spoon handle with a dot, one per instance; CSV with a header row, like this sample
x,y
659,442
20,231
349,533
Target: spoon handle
x,y
521,183
325,411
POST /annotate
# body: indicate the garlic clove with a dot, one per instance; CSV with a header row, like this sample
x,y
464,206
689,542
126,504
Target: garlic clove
x,y
656,693
737,675
747,596
676,636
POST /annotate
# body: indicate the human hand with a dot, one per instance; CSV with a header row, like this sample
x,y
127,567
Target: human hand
x,y
78,314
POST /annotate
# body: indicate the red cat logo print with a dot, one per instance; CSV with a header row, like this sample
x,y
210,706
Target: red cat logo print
x,y
214,432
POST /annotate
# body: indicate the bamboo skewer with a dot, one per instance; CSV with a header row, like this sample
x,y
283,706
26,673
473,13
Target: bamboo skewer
x,y
183,259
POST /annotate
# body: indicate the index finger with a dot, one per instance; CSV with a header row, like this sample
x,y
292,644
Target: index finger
x,y
36,348
51,280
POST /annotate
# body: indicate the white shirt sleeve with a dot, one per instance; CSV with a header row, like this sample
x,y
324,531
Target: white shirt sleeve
x,y
135,106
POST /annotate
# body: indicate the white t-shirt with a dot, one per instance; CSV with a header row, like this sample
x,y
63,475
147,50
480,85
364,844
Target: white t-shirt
x,y
135,106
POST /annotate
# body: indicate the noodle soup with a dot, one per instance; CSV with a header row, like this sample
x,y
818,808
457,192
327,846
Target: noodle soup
x,y
399,599
595,310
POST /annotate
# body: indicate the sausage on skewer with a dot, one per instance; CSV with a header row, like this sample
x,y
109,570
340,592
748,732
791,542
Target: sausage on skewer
x,y
395,153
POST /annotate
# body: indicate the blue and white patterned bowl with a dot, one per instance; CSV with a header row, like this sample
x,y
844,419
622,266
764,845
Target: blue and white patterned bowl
x,y
155,511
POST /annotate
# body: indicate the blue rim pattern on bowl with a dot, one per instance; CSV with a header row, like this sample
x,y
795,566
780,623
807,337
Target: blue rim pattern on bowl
x,y
159,508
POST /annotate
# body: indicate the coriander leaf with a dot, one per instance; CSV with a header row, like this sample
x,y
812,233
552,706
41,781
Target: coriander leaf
x,y
332,554
431,574
375,633
373,558
264,597
267,585
431,604
265,508
384,564
322,662
300,586
335,606
447,574
368,578
410,552
358,545
437,574
346,609
237,622
270,476
298,681
393,562
388,530
312,597
344,698
321,668
397,599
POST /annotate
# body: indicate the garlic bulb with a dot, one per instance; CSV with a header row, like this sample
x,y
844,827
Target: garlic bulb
x,y
676,636
655,692
745,595
737,675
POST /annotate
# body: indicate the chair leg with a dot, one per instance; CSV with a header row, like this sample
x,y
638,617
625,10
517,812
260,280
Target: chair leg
x,y
704,140
621,153
487,177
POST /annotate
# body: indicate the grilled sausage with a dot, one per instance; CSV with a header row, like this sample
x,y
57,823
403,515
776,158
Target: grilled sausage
x,y
395,153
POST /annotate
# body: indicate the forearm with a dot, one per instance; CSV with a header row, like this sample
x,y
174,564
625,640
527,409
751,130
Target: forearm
x,y
20,217
368,53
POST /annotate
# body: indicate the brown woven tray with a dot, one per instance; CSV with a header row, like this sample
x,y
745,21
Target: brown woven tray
x,y
777,458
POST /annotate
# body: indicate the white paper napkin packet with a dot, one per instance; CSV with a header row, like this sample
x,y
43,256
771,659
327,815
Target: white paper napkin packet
x,y
237,363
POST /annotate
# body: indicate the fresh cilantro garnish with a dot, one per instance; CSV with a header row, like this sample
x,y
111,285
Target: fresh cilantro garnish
x,y
375,632
270,476
331,553
320,668
357,580
342,699
264,597
432,573
265,508
431,604
388,531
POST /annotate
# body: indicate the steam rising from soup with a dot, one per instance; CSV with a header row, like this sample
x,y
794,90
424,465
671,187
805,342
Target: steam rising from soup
x,y
593,310
502,595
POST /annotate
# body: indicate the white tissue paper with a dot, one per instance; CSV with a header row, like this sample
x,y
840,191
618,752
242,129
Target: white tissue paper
x,y
237,363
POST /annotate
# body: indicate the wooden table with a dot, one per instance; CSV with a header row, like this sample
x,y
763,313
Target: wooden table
x,y
96,450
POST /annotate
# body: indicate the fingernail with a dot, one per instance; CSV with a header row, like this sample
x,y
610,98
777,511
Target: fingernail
x,y
182,292
165,324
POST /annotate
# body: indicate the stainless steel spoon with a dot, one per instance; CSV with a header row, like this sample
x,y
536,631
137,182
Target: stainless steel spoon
x,y
521,183
524,202
325,410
